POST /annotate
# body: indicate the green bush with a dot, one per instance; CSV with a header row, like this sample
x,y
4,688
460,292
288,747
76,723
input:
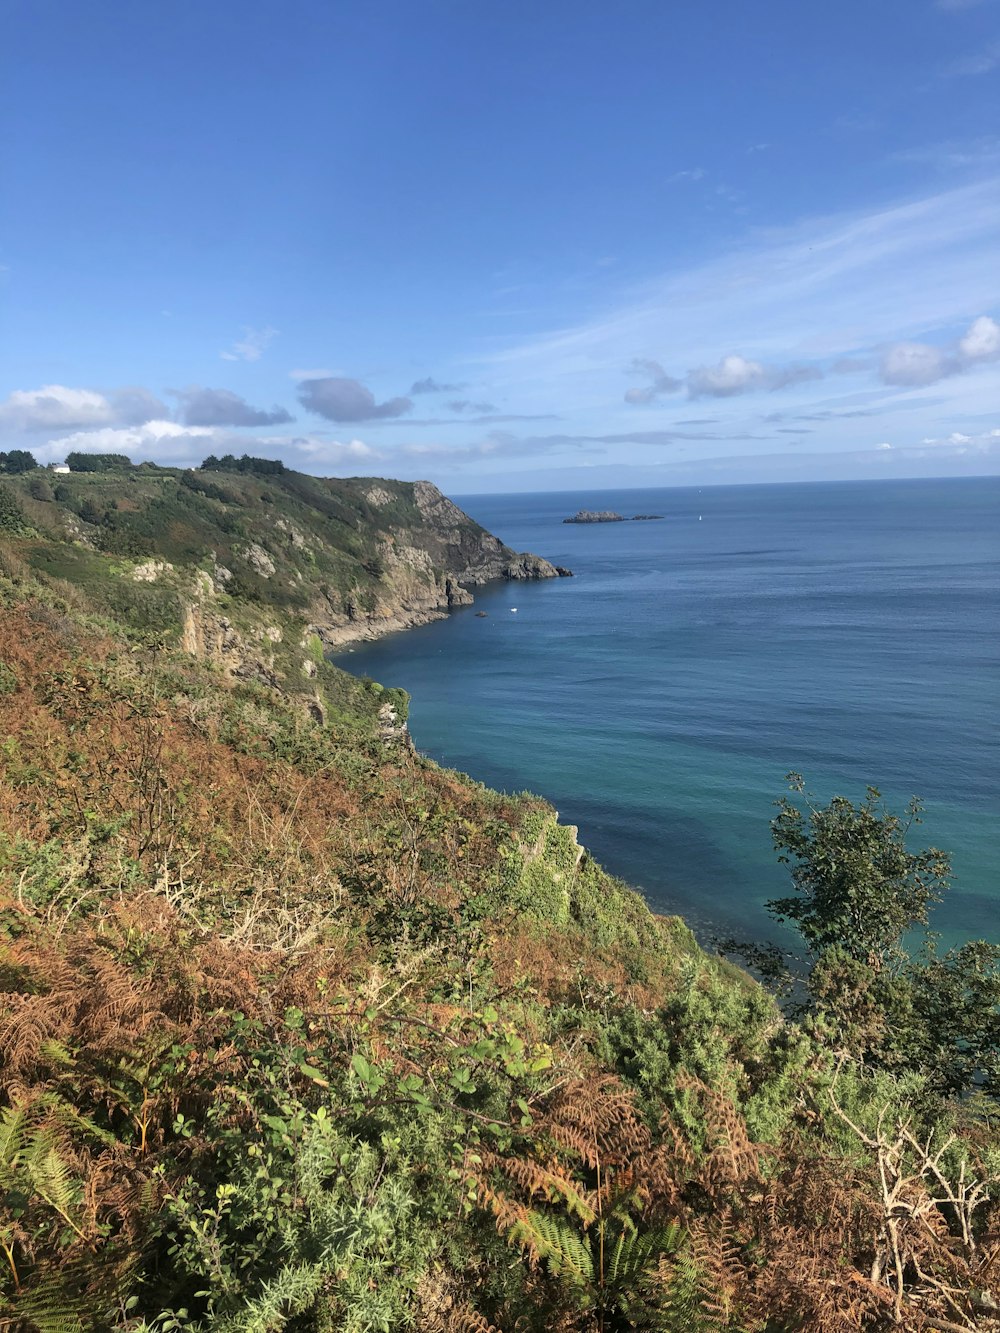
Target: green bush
x,y
11,514
143,607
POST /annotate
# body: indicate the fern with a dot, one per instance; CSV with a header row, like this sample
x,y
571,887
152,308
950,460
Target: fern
x,y
13,1128
554,1240
635,1251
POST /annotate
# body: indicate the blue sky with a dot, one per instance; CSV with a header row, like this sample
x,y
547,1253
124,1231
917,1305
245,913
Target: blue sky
x,y
506,246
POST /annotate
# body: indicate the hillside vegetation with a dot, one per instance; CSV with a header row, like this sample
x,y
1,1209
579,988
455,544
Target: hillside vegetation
x,y
249,562
302,1032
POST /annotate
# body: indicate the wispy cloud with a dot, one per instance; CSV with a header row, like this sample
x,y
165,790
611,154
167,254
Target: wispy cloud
x,y
431,385
252,346
982,152
862,280
984,60
659,381
319,374
464,405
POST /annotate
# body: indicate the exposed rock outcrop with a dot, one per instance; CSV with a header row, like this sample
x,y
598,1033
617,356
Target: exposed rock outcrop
x,y
595,516
426,569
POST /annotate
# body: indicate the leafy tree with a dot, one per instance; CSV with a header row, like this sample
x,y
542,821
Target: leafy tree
x,y
260,467
81,462
16,461
39,489
856,885
858,890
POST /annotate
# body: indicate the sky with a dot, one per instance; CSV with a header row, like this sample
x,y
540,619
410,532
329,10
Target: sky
x,y
505,244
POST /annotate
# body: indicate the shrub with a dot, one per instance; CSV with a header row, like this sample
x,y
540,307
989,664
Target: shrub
x,y
11,513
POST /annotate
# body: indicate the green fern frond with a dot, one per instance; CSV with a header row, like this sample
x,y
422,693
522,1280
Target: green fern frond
x,y
56,1053
635,1251
555,1241
13,1128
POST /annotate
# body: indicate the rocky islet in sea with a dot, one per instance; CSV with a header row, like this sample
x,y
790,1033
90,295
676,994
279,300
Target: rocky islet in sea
x,y
606,516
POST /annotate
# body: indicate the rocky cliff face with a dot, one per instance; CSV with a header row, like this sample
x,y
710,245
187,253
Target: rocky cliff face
x,y
261,570
427,565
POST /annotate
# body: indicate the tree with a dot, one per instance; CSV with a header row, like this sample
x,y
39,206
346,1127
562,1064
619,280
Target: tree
x,y
858,890
16,461
856,885
81,462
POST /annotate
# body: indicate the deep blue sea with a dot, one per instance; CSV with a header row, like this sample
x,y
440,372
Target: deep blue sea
x,y
845,630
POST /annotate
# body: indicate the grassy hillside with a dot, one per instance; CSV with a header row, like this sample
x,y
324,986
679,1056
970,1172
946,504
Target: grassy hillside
x,y
303,1032
259,569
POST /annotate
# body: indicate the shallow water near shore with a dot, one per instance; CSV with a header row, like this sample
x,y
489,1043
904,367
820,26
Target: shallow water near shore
x,y
845,630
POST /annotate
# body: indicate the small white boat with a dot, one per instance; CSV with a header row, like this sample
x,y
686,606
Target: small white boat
x,y
514,609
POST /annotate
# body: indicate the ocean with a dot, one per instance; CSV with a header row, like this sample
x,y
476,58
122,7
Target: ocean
x,y
848,631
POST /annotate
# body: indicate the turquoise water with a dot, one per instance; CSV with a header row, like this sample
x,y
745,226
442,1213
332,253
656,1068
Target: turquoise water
x,y
848,631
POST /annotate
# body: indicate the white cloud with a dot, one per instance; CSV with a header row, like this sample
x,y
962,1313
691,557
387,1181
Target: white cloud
x,y
58,407
154,440
55,407
252,346
171,442
320,449
982,340
694,174
985,441
912,364
733,374
736,374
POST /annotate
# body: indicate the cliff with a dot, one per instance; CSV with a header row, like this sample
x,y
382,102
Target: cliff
x,y
259,572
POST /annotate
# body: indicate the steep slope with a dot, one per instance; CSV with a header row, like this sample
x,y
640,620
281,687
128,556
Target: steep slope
x,y
301,1032
256,571
355,557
